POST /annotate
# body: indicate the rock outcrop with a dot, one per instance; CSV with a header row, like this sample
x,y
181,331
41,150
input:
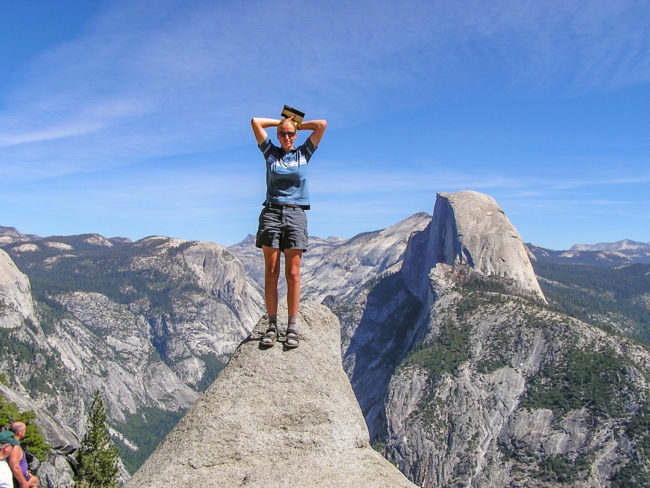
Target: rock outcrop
x,y
468,231
16,303
58,436
506,392
462,373
470,380
469,228
275,418
341,269
149,324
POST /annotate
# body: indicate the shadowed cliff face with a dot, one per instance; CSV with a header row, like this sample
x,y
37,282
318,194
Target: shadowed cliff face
x,y
275,418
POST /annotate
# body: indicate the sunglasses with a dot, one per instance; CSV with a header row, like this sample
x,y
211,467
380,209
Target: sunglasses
x,y
282,133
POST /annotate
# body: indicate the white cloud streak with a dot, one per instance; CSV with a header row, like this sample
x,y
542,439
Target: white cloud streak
x,y
150,80
156,78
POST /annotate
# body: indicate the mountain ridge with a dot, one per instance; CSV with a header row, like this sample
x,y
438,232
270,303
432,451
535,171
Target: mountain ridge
x,y
622,245
391,308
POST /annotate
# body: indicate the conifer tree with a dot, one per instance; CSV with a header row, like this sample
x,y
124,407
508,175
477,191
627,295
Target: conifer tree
x,y
97,457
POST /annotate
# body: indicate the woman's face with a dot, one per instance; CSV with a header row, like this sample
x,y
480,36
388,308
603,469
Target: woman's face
x,y
286,136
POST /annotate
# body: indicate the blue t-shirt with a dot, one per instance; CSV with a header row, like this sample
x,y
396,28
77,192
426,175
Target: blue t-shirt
x,y
286,173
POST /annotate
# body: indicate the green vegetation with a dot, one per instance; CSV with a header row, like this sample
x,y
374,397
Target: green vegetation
x,y
471,302
212,369
44,376
637,472
479,283
145,430
97,457
562,468
380,446
33,440
108,271
632,475
577,379
175,251
449,350
589,292
50,311
559,468
639,430
490,365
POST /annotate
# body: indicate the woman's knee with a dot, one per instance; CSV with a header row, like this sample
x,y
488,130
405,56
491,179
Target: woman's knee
x,y
272,272
292,272
293,275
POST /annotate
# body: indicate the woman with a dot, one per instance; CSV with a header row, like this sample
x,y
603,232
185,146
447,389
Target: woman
x,y
283,223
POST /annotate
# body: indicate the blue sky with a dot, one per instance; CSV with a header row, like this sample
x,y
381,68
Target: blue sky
x,y
132,118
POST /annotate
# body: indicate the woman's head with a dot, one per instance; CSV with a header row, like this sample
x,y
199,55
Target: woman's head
x,y
287,131
288,124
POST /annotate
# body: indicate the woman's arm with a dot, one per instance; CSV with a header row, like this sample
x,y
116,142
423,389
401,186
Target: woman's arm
x,y
261,123
318,129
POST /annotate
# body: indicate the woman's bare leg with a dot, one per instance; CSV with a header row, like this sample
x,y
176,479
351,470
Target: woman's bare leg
x,y
292,258
271,275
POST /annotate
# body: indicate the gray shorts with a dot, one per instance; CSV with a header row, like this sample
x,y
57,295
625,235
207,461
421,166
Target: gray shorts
x,y
282,228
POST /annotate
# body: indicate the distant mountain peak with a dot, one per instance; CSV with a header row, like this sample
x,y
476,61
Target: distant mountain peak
x,y
624,245
469,228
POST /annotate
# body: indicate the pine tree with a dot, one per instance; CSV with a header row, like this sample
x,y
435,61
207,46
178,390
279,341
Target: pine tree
x,y
97,457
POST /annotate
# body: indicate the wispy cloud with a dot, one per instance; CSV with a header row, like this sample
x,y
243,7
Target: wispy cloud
x,y
341,178
153,78
146,81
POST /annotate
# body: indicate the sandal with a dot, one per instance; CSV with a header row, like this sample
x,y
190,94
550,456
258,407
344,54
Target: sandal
x,y
292,338
269,337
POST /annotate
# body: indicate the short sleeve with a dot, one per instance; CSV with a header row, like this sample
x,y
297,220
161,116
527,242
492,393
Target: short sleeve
x,y
266,147
309,149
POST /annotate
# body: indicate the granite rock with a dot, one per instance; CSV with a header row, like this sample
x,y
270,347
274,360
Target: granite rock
x,y
275,418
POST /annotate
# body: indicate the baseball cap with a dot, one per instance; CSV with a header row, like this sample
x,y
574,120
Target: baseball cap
x,y
7,437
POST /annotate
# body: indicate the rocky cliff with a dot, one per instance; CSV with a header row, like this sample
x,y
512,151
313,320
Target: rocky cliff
x,y
149,324
470,229
503,391
463,373
16,303
470,380
341,267
275,418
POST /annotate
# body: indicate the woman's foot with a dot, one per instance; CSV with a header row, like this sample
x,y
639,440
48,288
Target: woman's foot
x,y
292,338
270,336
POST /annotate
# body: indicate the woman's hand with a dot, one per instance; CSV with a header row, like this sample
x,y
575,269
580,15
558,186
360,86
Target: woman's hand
x,y
318,129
